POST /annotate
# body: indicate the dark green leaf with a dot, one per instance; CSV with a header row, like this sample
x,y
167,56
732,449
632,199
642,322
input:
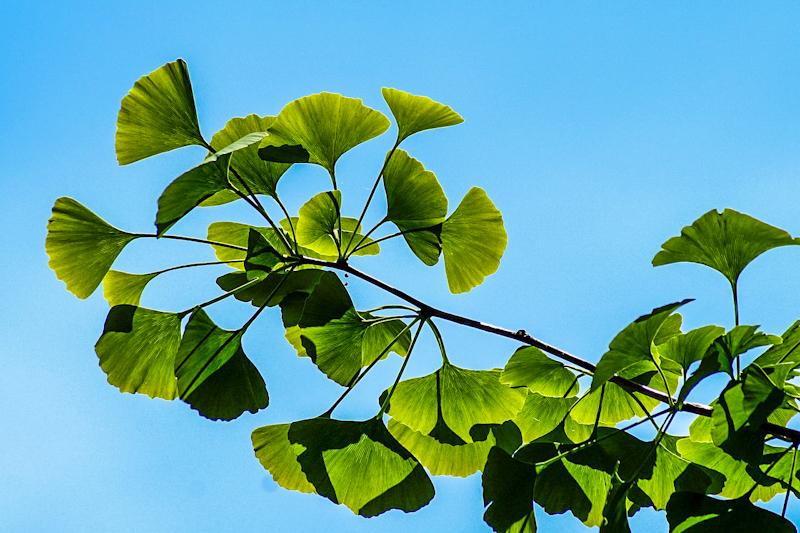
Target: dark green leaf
x,y
137,350
473,241
81,246
261,255
215,377
508,493
697,513
726,242
687,348
189,190
319,129
417,113
157,115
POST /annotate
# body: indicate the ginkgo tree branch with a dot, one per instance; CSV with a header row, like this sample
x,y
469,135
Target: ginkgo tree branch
x,y
523,337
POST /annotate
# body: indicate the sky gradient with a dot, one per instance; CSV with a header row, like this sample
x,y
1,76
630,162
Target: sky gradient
x,y
598,130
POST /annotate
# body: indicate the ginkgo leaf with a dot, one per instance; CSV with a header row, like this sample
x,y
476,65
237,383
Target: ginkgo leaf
x,y
508,486
530,367
417,113
449,402
579,489
318,228
441,458
259,175
473,241
215,377
698,513
414,197
690,347
125,288
357,464
137,350
635,345
783,352
261,255
157,115
319,129
542,414
238,234
339,350
615,511
726,242
189,190
82,246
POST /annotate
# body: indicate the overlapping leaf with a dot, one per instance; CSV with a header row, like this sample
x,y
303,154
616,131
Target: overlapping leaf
x,y
530,367
697,513
508,487
81,246
157,115
319,129
357,464
318,227
214,375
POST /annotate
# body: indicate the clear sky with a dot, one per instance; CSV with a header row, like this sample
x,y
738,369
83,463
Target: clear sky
x,y
598,128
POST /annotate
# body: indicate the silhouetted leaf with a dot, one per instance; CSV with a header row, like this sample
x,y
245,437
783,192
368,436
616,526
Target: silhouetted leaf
x,y
697,513
417,113
157,115
81,246
137,350
508,493
473,241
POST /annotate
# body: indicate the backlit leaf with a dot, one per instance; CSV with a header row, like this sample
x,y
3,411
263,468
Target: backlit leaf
x,y
473,241
726,242
414,197
319,129
137,350
417,113
157,115
125,288
81,246
530,367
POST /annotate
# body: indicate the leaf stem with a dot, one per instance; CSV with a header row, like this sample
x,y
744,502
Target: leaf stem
x,y
289,221
385,402
735,291
193,239
439,340
191,265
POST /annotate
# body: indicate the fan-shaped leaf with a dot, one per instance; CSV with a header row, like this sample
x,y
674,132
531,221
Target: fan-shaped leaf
x,y
358,464
81,246
448,403
259,175
726,242
319,129
417,113
317,228
697,513
414,197
542,414
157,115
687,348
508,487
137,350
473,241
530,367
215,377
189,190
124,288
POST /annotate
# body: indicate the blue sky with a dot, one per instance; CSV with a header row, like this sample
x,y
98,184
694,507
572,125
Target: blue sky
x,y
599,129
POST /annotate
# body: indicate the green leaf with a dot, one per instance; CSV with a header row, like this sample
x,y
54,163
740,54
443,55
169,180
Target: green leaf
x,y
441,458
541,414
698,513
317,227
124,288
157,115
358,464
238,234
784,352
339,348
508,487
137,350
417,113
319,129
615,403
414,197
81,246
687,348
189,190
260,176
215,377
261,255
449,402
530,367
726,242
636,344
615,512
473,241
579,489
278,456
